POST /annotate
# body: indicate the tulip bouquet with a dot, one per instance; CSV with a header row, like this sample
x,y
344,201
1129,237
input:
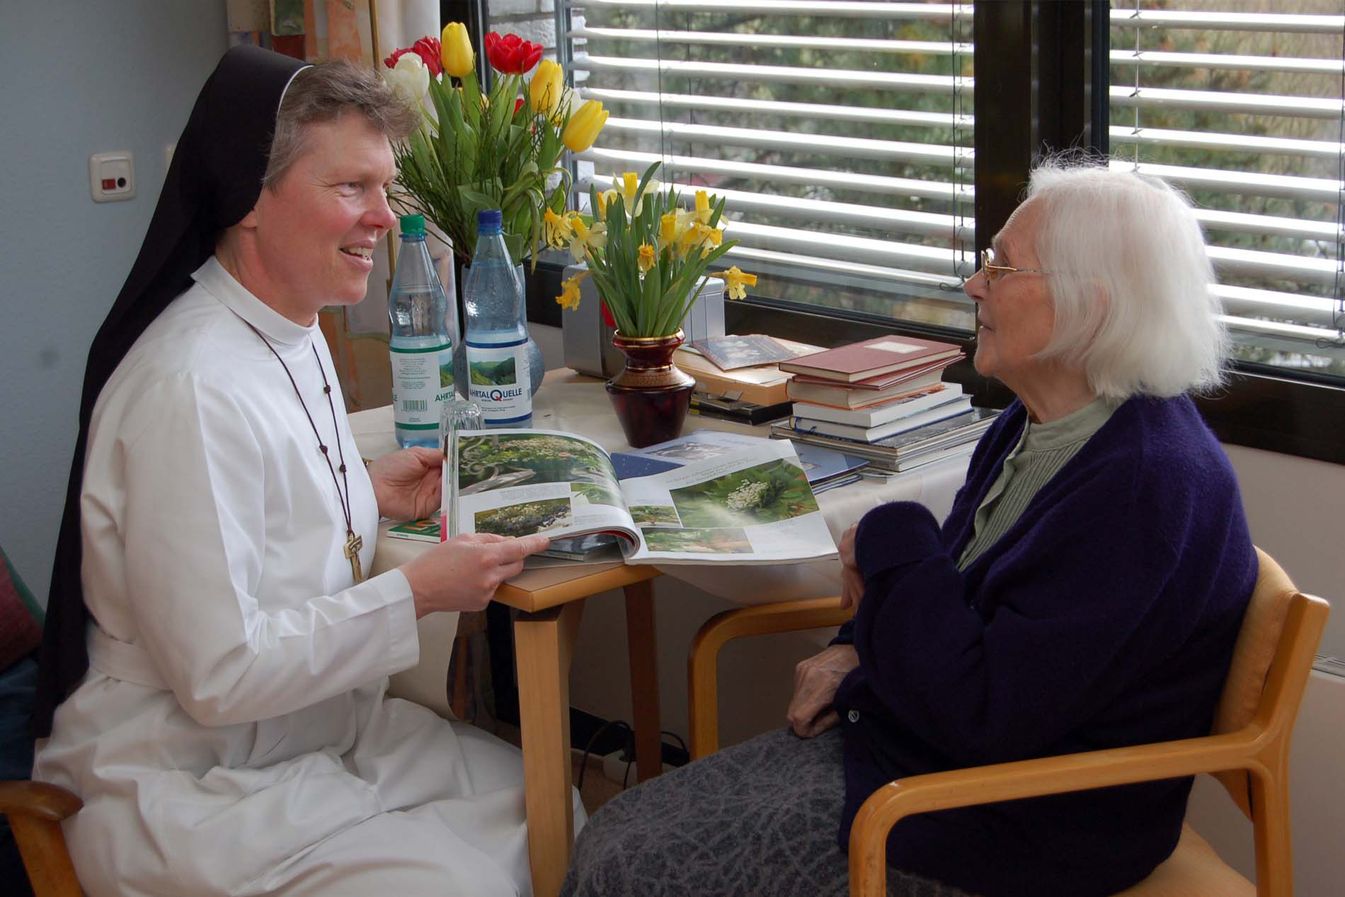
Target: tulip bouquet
x,y
648,256
497,149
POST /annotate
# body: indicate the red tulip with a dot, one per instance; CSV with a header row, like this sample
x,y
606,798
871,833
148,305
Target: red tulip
x,y
511,54
518,104
607,314
427,48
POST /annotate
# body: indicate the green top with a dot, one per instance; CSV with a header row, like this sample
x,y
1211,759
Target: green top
x,y
1041,451
413,225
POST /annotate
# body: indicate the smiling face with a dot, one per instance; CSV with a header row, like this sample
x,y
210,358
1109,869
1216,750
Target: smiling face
x,y
309,241
1015,311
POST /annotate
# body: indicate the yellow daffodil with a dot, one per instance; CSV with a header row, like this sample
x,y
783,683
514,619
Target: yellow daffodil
x,y
556,229
604,198
569,293
667,229
647,257
737,282
586,237
583,127
456,50
702,207
545,88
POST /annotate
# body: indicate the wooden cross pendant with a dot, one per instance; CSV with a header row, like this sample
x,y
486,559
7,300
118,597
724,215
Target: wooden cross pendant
x,y
353,545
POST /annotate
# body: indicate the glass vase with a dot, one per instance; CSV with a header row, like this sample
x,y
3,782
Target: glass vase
x,y
650,394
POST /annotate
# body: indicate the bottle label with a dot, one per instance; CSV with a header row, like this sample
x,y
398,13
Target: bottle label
x,y
499,379
422,379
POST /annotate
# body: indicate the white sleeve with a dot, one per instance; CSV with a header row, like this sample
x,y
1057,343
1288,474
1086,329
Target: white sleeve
x,y
195,533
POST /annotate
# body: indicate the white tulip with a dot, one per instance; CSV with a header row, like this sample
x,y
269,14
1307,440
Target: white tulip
x,y
410,78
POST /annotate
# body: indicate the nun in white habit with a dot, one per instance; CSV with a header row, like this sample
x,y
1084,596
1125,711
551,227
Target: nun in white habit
x,y
215,664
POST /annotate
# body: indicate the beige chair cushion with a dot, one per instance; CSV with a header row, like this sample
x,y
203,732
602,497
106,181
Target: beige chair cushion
x,y
1193,870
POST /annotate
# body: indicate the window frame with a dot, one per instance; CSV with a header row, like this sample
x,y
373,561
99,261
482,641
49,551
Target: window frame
x,y
1063,49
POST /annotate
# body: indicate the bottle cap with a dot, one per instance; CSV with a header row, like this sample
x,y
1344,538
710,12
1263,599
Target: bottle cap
x,y
489,219
413,225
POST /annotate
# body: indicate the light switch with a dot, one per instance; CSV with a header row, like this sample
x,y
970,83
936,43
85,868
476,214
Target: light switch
x,y
112,176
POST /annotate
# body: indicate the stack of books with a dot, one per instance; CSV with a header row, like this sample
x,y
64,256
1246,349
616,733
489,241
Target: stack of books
x,y
882,399
739,377
874,389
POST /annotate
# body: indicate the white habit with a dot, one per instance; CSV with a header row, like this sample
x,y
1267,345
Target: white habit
x,y
232,735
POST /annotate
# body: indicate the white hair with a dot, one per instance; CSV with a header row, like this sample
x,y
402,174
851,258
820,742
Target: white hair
x,y
1130,279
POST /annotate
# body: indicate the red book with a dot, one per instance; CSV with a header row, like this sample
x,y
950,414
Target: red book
x,y
872,358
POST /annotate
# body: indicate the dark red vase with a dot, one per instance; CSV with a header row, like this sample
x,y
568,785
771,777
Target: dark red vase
x,y
650,395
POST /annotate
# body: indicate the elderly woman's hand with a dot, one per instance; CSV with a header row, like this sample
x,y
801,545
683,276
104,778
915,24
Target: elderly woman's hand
x,y
464,572
407,483
815,682
852,581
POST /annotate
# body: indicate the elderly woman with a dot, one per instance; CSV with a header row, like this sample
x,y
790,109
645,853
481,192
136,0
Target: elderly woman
x,y
1085,592
227,726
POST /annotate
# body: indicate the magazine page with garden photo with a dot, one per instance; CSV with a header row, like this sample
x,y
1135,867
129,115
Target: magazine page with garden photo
x,y
748,502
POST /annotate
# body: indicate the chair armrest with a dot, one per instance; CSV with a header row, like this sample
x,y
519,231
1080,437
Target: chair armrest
x,y
40,800
761,619
1033,778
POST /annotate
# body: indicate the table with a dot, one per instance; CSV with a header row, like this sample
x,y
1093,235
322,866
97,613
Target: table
x,y
550,602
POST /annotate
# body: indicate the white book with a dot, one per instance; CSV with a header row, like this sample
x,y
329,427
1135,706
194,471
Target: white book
x,y
881,412
960,405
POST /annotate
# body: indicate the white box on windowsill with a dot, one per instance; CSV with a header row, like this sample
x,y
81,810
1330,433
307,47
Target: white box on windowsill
x,y
588,341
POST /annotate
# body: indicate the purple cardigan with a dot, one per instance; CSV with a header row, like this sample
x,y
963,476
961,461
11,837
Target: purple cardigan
x,y
1105,616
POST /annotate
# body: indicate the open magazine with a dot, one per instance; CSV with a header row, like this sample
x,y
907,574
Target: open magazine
x,y
747,503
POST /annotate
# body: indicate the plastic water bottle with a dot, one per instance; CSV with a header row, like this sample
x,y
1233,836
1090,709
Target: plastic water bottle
x,y
499,363
424,332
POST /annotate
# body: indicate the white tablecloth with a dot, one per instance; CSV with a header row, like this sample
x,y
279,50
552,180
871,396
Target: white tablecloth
x,y
574,403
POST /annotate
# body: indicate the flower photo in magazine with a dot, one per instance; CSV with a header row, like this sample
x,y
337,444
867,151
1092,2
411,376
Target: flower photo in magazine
x,y
765,493
724,540
514,459
525,518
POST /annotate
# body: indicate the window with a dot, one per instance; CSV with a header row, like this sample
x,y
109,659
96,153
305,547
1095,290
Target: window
x,y
1240,104
839,134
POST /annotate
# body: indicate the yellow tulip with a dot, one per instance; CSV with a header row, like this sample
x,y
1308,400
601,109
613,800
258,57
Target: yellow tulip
x,y
583,127
545,87
456,50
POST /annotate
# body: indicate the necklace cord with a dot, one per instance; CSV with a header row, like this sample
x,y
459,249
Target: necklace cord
x,y
344,498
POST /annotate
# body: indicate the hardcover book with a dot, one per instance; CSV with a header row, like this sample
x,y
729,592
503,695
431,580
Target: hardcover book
x,y
749,350
884,411
865,392
871,358
902,424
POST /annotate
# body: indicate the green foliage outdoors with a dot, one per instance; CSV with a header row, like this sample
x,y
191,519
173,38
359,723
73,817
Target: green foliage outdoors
x,y
766,493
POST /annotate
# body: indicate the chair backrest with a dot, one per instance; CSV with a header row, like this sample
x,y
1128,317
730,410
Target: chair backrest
x,y
1268,672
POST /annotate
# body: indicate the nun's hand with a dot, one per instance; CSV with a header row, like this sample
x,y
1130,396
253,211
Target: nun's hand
x,y
407,483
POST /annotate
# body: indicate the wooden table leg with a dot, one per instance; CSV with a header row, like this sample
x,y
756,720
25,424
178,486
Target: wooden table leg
x,y
644,678
543,646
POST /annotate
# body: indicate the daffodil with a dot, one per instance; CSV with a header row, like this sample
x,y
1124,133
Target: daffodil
x,y
569,293
667,229
587,238
557,229
602,200
737,282
647,257
702,207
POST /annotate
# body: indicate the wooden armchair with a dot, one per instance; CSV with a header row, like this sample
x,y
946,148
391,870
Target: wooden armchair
x,y
1248,750
35,811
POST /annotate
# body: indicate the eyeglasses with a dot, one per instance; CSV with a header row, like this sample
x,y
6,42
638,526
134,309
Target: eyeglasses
x,y
994,272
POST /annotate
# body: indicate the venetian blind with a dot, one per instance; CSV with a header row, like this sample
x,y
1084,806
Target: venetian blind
x,y
1239,102
840,134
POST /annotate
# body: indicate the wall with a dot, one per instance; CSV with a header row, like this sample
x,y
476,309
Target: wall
x,y
80,78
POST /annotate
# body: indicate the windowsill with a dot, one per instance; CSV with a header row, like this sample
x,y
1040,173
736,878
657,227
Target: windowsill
x,y
1258,409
